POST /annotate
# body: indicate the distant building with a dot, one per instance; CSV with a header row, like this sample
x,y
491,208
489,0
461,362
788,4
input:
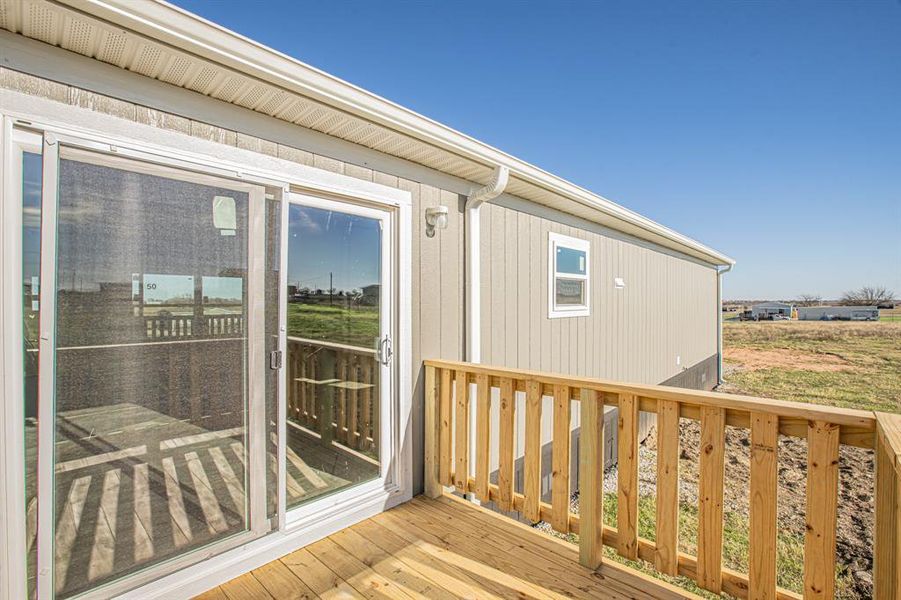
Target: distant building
x,y
370,294
838,313
771,310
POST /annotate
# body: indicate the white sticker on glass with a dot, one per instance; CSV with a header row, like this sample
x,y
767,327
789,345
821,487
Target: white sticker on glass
x,y
224,215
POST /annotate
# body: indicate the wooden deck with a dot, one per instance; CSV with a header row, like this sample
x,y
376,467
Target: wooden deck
x,y
444,548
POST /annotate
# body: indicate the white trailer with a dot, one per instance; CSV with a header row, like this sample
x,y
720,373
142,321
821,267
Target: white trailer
x,y
838,313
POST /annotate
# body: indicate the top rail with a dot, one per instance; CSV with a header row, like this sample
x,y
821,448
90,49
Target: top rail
x,y
859,421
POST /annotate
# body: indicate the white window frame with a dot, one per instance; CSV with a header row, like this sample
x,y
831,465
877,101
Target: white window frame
x,y
558,240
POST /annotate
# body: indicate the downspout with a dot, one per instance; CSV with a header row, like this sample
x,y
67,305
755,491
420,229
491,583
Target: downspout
x,y
719,322
472,269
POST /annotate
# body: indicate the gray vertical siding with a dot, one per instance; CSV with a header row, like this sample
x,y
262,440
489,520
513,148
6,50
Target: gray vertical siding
x,y
667,308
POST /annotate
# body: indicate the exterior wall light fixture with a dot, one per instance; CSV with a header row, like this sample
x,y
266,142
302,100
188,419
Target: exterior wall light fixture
x,y
435,218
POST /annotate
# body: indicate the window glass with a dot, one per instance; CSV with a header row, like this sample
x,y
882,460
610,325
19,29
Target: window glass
x,y
334,316
150,392
570,292
31,271
570,260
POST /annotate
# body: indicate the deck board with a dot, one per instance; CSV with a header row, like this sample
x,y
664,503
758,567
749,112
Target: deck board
x,y
444,548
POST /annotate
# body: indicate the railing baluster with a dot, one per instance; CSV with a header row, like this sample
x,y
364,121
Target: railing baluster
x,y
627,476
366,416
506,446
666,557
353,402
560,492
762,555
532,469
483,442
341,404
461,432
822,495
591,479
710,495
445,438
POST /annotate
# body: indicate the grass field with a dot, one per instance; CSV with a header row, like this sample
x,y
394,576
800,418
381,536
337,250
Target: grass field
x,y
835,363
356,326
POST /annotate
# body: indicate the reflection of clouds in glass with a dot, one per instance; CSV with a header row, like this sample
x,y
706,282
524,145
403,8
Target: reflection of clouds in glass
x,y
31,217
331,248
80,214
304,222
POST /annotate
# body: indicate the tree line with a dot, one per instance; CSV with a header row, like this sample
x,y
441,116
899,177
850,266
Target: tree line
x,y
864,296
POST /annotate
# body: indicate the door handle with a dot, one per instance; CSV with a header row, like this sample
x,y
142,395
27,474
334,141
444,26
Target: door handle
x,y
275,360
385,352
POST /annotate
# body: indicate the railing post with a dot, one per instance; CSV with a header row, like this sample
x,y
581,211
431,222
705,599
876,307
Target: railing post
x,y
887,564
591,479
433,487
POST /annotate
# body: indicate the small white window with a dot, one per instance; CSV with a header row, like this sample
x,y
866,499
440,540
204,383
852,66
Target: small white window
x,y
568,276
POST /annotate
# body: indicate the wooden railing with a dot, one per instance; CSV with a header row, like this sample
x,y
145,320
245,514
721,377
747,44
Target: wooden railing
x,y
332,390
449,460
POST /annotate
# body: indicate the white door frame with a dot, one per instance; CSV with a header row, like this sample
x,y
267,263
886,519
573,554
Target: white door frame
x,y
388,478
208,566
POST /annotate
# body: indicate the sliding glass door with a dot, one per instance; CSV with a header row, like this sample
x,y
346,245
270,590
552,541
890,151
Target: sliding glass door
x,y
205,359
145,362
338,349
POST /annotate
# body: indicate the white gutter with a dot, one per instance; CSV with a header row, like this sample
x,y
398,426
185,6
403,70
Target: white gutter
x,y
181,29
472,269
719,322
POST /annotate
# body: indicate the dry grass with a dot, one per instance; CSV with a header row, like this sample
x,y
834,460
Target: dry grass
x,y
869,353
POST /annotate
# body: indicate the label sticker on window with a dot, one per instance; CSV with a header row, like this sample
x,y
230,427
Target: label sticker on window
x,y
224,215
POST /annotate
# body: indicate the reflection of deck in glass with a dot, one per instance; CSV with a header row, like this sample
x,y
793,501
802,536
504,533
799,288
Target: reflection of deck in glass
x,y
120,506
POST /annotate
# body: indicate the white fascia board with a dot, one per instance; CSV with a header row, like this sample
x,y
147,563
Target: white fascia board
x,y
169,24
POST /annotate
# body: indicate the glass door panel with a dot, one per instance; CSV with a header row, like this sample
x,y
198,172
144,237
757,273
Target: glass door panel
x,y
336,344
31,272
151,447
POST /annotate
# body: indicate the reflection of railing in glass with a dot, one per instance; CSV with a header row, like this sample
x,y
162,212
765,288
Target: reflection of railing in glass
x,y
333,391
183,326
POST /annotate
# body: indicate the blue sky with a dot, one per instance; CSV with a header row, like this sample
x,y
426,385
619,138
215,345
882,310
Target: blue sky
x,y
770,131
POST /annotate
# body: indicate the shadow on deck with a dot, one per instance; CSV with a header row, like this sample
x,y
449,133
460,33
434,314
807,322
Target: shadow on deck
x,y
442,548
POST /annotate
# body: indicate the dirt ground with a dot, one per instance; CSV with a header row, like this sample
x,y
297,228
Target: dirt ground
x,y
854,535
753,360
